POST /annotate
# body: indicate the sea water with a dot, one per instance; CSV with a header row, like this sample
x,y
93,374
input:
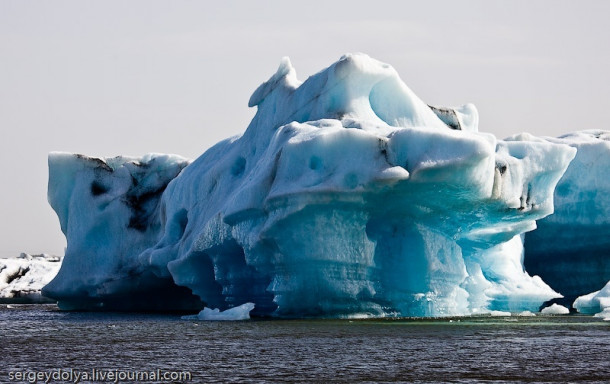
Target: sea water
x,y
541,349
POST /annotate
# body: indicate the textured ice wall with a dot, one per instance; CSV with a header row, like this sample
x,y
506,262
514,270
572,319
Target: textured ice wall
x,y
570,249
346,196
109,211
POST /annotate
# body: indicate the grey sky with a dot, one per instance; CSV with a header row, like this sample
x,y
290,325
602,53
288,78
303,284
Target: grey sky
x,y
129,77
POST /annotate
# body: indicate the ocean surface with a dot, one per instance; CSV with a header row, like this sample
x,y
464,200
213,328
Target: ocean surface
x,y
542,349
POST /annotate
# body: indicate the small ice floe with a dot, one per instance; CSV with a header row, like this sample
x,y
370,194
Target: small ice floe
x,y
526,314
499,314
555,309
241,312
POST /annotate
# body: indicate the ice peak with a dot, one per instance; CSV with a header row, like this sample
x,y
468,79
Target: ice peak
x,y
285,75
355,88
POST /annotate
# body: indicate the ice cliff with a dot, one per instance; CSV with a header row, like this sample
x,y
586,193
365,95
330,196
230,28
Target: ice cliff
x,y
346,196
109,211
570,250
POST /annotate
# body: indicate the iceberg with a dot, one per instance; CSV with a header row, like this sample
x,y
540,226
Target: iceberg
x,y
346,196
570,250
22,278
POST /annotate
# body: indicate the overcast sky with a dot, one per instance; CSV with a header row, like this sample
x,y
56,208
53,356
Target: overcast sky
x,y
105,78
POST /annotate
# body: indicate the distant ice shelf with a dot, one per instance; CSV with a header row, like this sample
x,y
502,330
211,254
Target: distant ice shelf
x,y
346,196
22,278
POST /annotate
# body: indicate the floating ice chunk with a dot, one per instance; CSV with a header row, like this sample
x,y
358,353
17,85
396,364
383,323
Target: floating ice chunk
x,y
499,314
597,303
526,314
241,312
555,309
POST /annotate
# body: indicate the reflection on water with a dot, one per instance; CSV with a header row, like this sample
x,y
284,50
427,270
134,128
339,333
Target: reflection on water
x,y
467,350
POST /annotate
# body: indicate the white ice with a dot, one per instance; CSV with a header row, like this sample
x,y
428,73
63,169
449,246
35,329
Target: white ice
x,y
22,278
499,314
241,312
555,309
526,314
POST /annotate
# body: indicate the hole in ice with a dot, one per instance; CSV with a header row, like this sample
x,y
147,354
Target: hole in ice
x,y
177,226
391,103
142,205
501,167
315,162
98,188
238,166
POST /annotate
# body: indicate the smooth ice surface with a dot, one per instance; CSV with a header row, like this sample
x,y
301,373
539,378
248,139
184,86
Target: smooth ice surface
x,y
22,278
346,196
570,249
241,312
597,303
555,309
